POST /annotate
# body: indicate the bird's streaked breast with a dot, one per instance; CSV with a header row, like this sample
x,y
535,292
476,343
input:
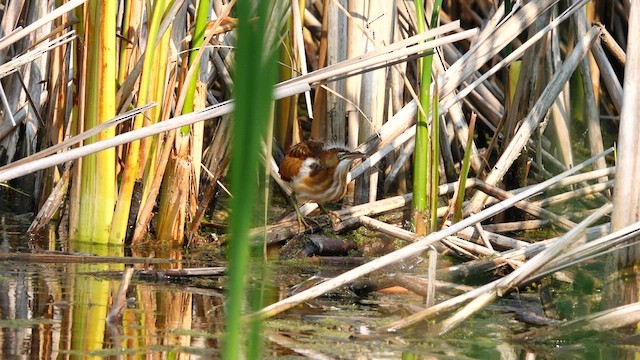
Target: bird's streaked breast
x,y
326,186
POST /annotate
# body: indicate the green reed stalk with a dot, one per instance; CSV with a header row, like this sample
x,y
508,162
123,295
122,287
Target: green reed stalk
x,y
255,77
421,156
202,17
434,156
98,181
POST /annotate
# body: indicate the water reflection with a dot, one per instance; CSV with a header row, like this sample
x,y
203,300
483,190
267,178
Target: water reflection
x,y
59,310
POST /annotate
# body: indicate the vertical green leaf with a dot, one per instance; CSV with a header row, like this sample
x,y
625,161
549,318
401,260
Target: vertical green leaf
x,y
255,77
202,18
422,171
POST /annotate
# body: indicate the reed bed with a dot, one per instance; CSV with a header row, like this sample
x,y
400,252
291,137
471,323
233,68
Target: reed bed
x,y
109,124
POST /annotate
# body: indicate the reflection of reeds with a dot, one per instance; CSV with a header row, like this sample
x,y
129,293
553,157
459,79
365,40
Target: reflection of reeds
x,y
91,298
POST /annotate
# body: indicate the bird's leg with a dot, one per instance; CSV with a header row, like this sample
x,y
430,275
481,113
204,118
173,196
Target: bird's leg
x,y
294,203
302,224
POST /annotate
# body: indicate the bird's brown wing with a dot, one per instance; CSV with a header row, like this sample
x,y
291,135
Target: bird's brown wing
x,y
296,155
305,149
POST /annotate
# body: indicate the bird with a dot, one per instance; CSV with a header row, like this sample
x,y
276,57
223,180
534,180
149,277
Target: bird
x,y
317,171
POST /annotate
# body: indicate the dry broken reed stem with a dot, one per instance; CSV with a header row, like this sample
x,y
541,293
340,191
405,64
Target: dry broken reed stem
x,y
609,77
613,47
385,55
517,225
524,205
517,256
584,177
626,194
463,246
474,267
52,204
79,138
591,111
430,297
607,242
300,51
462,242
483,235
578,193
474,249
501,241
388,229
569,181
17,62
560,109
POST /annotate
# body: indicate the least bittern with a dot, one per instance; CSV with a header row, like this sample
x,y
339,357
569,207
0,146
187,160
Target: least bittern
x,y
317,171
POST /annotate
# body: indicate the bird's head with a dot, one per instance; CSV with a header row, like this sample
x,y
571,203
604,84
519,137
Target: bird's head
x,y
339,157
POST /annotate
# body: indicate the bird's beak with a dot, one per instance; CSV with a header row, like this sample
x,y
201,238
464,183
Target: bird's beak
x,y
354,155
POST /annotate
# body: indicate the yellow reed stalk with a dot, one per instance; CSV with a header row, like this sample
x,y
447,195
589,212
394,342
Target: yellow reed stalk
x,y
97,190
134,163
149,145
